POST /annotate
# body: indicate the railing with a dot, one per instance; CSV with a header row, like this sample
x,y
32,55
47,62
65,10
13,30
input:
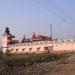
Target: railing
x,y
42,43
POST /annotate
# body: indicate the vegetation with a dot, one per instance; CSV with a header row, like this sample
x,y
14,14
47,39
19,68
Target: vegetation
x,y
9,63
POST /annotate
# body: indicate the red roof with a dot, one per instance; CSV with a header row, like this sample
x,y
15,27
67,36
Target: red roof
x,y
40,37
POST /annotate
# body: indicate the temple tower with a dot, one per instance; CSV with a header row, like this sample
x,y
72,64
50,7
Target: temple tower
x,y
5,39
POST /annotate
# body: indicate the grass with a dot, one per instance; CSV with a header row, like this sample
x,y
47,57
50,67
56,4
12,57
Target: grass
x,y
9,62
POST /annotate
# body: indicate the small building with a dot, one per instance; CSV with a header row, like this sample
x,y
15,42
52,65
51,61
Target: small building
x,y
40,38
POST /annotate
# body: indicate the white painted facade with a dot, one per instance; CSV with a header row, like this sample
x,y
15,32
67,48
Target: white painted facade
x,y
38,46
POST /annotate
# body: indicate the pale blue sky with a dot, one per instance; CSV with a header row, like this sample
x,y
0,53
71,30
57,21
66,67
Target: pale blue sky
x,y
28,16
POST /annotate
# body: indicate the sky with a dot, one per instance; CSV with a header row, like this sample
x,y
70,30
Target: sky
x,y
23,17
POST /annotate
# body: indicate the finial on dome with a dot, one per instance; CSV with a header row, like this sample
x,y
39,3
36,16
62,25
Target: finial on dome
x,y
7,30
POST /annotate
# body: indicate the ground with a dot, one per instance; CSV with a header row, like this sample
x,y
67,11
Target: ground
x,y
63,66
60,67
47,69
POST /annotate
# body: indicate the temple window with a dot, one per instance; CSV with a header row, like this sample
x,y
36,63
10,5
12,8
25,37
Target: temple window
x,y
45,48
17,49
12,49
23,49
38,48
30,49
48,48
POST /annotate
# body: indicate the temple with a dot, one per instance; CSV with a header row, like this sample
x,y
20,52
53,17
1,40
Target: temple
x,y
35,44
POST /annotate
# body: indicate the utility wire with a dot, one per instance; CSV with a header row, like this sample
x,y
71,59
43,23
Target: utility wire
x,y
44,6
47,9
56,7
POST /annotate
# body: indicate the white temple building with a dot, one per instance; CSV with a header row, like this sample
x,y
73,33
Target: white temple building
x,y
35,44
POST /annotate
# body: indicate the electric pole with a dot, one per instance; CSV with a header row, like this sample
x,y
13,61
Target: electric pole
x,y
51,31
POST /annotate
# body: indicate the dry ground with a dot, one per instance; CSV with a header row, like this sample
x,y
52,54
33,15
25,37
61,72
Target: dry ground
x,y
60,67
63,67
47,69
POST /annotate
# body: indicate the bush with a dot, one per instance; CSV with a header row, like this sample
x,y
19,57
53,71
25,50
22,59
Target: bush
x,y
8,62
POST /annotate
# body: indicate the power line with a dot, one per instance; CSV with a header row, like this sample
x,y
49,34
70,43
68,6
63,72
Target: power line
x,y
47,9
44,6
60,10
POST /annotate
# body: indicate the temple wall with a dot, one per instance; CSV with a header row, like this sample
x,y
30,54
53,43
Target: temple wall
x,y
39,47
36,47
64,46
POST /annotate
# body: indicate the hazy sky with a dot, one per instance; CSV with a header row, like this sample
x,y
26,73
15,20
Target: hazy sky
x,y
28,16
